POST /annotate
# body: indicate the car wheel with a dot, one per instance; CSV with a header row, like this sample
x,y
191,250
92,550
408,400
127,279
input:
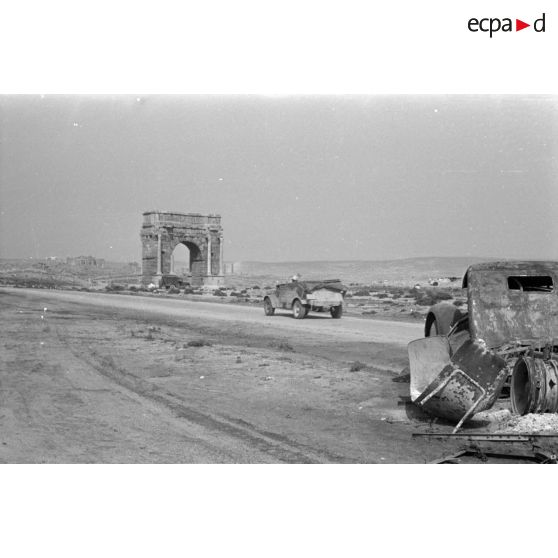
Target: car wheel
x,y
336,311
268,307
299,311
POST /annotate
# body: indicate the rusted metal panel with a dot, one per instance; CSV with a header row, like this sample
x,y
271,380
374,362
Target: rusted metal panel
x,y
539,447
499,314
427,357
469,383
534,385
512,313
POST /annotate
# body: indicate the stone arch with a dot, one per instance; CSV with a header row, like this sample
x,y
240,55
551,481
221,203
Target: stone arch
x,y
162,231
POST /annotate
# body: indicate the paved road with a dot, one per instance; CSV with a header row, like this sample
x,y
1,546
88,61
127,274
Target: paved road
x,y
346,329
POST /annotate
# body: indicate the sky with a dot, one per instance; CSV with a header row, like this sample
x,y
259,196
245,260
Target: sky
x,y
294,177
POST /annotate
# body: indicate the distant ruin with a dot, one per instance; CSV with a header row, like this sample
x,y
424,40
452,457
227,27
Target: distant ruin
x,y
162,231
84,261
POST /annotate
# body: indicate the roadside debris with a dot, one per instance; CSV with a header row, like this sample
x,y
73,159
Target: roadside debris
x,y
469,381
535,447
509,334
533,423
534,385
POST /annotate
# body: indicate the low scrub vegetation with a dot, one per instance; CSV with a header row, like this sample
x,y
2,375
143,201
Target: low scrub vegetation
x,y
282,346
114,288
428,297
362,292
199,343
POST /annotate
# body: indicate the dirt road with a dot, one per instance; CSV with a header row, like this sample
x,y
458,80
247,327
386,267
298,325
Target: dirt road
x,y
114,378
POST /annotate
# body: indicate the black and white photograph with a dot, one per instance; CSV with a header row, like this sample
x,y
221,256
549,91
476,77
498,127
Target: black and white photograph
x,y
265,268
281,279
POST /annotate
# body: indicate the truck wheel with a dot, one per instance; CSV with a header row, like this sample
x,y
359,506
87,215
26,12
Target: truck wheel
x,y
336,311
268,307
299,311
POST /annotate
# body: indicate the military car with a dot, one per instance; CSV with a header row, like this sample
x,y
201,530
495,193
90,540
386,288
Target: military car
x,y
303,296
168,281
510,331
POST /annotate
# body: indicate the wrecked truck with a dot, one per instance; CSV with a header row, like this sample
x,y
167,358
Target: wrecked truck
x,y
303,296
508,334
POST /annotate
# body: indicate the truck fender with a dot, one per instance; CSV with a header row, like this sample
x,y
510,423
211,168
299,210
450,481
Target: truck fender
x,y
445,315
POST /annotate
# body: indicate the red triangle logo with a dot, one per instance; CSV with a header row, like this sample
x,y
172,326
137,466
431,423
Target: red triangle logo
x,y
519,25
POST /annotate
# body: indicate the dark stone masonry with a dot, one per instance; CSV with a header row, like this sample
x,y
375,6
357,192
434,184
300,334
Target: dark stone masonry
x,y
162,231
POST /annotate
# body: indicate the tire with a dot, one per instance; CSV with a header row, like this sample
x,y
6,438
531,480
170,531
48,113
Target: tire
x,y
336,312
268,307
299,310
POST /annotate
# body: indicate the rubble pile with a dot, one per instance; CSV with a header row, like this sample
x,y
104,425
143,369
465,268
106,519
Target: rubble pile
x,y
545,423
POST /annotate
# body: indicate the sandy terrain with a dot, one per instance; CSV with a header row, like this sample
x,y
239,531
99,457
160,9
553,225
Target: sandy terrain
x,y
113,378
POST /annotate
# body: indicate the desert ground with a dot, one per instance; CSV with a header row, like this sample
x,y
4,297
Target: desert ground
x,y
111,378
105,377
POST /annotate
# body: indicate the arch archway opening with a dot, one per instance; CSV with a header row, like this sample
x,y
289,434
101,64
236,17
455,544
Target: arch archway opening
x,y
185,260
180,261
